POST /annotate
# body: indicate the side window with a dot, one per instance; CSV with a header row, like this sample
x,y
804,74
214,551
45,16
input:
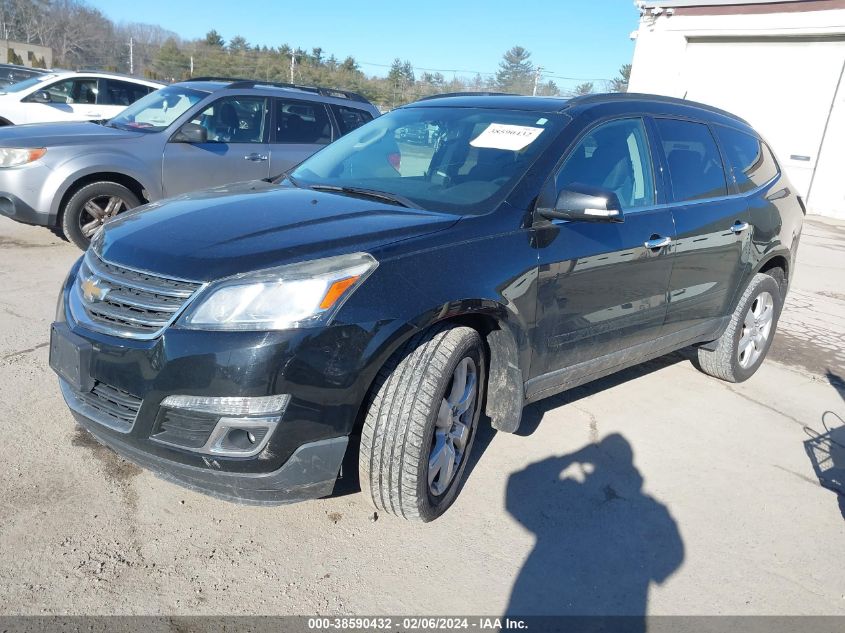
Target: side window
x,y
234,120
302,122
350,118
72,91
613,156
695,166
752,163
121,93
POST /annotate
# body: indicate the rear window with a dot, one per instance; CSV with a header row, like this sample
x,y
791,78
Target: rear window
x,y
349,119
122,93
752,163
695,165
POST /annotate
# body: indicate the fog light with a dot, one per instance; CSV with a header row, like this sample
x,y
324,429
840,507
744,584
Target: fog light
x,y
225,426
240,437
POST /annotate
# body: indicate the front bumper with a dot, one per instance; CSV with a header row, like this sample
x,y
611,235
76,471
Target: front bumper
x,y
310,472
326,372
13,207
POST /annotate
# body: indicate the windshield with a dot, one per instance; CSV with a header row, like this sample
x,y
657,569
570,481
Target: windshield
x,y
464,160
27,83
158,109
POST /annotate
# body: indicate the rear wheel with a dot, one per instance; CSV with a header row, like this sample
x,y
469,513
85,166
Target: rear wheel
x,y
740,350
91,206
421,422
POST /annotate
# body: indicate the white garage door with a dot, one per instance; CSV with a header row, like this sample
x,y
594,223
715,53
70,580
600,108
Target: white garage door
x,y
783,87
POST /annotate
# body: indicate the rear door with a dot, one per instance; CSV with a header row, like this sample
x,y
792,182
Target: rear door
x,y
713,229
300,128
601,289
236,149
115,95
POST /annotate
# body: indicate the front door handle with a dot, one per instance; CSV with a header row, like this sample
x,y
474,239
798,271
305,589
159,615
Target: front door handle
x,y
739,226
657,242
255,157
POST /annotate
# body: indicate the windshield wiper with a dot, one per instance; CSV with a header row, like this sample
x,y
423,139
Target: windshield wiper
x,y
402,201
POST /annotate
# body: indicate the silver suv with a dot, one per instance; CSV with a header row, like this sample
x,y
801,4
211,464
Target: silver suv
x,y
191,135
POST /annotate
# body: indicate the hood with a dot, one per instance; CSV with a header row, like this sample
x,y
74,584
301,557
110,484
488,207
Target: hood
x,y
230,230
55,134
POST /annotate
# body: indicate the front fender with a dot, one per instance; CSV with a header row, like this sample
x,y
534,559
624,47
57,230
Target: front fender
x,y
64,176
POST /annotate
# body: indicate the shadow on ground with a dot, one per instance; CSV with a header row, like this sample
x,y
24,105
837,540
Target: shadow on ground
x,y
826,449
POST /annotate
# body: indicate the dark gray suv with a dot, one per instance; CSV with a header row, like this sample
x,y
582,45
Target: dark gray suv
x,y
191,135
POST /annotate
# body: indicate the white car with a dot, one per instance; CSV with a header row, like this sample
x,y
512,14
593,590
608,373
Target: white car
x,y
70,96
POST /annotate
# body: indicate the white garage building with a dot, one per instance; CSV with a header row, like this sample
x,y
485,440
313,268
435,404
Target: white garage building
x,y
779,65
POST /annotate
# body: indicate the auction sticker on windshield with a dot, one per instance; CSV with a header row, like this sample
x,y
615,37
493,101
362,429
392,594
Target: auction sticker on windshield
x,y
510,137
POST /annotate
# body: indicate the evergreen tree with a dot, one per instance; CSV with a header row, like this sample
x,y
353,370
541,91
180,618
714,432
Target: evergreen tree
x,y
213,38
516,72
584,89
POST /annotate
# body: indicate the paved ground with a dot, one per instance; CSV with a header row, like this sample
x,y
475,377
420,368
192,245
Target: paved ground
x,y
658,490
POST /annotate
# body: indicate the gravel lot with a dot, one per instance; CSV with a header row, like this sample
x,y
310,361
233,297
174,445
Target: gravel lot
x,y
658,490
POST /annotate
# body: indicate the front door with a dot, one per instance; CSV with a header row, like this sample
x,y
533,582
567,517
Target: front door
x,y
236,149
70,100
602,288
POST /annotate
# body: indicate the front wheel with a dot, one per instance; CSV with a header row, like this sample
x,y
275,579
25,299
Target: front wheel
x,y
740,350
421,421
90,207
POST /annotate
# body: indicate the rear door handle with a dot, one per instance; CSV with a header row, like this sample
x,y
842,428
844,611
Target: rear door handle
x,y
255,157
657,242
739,226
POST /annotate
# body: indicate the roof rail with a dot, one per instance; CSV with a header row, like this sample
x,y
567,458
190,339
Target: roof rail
x,y
636,96
237,83
468,94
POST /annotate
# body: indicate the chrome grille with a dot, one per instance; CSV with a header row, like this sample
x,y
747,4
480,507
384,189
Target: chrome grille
x,y
127,302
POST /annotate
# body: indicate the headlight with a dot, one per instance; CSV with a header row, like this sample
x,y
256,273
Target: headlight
x,y
16,156
293,296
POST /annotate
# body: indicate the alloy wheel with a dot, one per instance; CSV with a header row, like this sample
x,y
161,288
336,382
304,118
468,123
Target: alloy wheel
x,y
453,427
97,210
756,329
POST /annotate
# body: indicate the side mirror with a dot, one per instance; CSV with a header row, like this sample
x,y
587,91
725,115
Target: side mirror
x,y
190,133
585,204
41,96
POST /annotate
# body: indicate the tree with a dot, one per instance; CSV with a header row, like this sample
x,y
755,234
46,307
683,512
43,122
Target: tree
x,y
620,83
170,62
238,44
584,89
516,72
213,38
349,65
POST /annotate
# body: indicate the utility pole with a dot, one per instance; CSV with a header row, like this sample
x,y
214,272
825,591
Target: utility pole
x,y
537,74
292,66
131,56
192,66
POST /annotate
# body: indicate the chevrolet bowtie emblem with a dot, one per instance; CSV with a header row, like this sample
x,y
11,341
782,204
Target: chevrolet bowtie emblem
x,y
92,291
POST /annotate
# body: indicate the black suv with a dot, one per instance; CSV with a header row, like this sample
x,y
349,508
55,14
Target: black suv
x,y
377,298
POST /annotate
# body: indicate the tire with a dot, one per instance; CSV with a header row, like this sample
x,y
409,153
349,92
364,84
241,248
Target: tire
x,y
77,214
732,359
405,424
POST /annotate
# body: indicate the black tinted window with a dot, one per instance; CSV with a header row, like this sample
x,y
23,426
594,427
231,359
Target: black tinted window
x,y
751,161
121,93
302,122
695,166
613,156
350,118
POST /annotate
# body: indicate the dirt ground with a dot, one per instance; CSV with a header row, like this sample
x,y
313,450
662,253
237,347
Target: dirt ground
x,y
657,490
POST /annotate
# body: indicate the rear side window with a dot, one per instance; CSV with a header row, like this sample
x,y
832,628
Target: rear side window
x,y
302,122
121,93
752,163
695,166
349,119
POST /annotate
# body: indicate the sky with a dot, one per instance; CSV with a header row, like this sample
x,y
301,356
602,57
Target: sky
x,y
580,39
